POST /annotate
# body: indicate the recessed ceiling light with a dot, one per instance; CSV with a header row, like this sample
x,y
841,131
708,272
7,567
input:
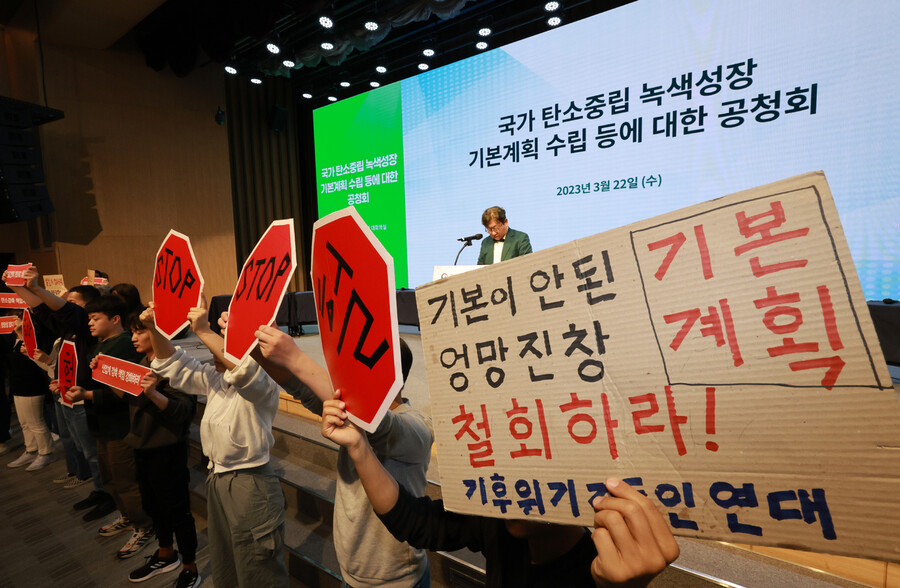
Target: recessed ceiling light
x,y
554,21
371,25
374,84
481,45
345,84
255,81
326,22
428,52
327,46
307,95
288,63
423,66
484,32
273,48
551,6
230,69
332,99
381,69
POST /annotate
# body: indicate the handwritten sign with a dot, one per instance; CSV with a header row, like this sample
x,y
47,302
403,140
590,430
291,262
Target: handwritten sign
x,y
260,288
67,370
15,274
177,283
721,358
28,334
120,374
7,324
12,301
55,284
356,309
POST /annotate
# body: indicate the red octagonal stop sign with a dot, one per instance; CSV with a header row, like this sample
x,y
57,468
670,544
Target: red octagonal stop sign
x,y
356,308
260,288
177,284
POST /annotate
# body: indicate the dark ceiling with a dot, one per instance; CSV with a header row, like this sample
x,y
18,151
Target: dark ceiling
x,y
185,34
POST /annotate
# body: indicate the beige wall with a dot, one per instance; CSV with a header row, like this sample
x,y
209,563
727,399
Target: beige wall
x,y
138,153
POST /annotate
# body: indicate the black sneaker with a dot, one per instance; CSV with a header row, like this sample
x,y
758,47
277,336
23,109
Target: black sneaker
x,y
103,508
154,566
93,499
188,578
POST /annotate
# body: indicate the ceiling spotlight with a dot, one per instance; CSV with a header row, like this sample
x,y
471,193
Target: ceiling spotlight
x,y
288,63
326,22
554,21
371,25
423,66
256,81
484,31
307,95
230,69
273,48
428,52
551,6
327,46
381,69
332,99
374,84
345,84
481,45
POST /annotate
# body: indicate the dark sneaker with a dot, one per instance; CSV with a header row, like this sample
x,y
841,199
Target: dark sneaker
x,y
153,566
139,540
187,579
103,508
93,499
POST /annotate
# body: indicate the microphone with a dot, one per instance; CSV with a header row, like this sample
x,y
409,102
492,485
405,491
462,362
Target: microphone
x,y
471,238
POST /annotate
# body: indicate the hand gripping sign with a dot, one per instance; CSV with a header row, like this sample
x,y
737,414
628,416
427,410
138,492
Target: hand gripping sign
x,y
68,369
260,288
356,308
177,283
15,274
120,374
28,333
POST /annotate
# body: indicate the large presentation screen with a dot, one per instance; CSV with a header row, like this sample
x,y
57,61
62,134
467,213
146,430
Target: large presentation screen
x,y
626,115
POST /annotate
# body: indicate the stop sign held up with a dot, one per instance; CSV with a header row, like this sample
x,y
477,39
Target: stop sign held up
x,y
177,284
356,309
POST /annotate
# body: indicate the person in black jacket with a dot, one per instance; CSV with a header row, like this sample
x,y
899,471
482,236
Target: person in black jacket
x,y
630,545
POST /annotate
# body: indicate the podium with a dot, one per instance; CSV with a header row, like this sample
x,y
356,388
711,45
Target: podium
x,y
443,271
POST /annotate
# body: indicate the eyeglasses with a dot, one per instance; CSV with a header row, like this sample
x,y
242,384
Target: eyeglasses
x,y
492,230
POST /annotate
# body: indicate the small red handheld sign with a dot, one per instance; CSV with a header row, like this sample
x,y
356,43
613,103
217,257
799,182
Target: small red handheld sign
x,y
177,284
68,369
260,288
12,301
356,308
7,324
15,274
28,334
121,374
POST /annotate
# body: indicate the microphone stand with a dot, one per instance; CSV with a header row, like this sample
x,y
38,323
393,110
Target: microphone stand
x,y
466,244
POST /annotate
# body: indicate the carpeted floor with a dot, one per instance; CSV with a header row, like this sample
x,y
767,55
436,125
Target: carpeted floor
x,y
45,543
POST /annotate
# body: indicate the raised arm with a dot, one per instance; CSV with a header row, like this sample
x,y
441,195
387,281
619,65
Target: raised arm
x,y
199,317
282,359
162,347
24,292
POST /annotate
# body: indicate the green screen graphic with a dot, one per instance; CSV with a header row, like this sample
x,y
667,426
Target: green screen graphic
x,y
359,162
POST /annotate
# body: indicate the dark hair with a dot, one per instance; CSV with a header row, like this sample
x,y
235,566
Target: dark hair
x,y
87,293
406,359
108,304
133,322
494,212
129,293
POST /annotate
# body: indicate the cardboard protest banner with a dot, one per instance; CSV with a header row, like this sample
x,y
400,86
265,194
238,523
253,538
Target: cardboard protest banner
x,y
28,333
15,274
120,374
12,301
67,369
356,309
260,288
720,358
7,324
177,283
55,284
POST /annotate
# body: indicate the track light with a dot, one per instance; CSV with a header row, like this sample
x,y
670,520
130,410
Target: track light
x,y
551,6
554,21
230,69
255,80
288,63
273,48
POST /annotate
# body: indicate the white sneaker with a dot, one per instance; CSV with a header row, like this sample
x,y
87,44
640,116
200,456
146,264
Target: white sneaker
x,y
41,461
24,459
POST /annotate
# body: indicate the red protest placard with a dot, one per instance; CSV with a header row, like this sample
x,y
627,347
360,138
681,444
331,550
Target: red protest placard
x,y
356,307
15,274
28,334
68,369
260,288
120,374
177,283
7,324
12,301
